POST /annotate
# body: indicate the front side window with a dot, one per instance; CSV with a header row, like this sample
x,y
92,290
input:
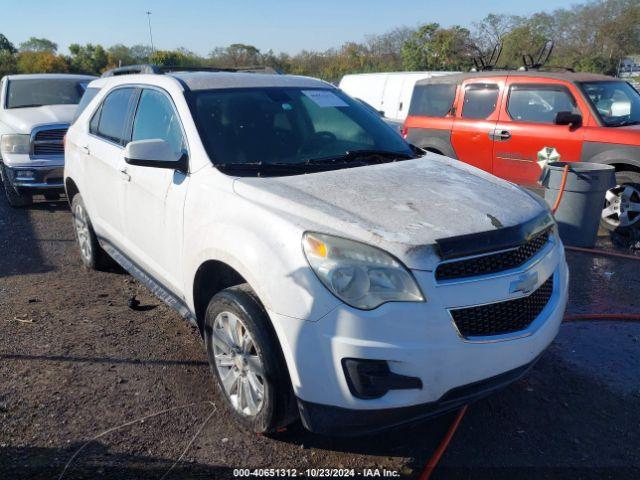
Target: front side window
x,y
480,100
539,103
24,93
114,115
291,126
157,119
617,103
434,100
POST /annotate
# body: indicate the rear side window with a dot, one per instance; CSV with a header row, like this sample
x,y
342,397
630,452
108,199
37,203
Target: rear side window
x,y
539,103
480,100
88,95
156,119
433,100
114,115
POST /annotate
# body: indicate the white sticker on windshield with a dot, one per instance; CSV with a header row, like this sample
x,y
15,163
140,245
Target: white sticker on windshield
x,y
325,98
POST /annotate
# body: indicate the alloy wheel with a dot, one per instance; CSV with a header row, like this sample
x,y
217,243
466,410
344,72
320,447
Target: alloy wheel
x,y
81,223
622,206
238,363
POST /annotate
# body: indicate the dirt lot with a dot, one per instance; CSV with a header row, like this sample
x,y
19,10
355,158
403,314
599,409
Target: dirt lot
x,y
77,364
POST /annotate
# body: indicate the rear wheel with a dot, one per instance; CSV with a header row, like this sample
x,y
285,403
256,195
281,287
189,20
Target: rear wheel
x,y
246,360
622,204
15,198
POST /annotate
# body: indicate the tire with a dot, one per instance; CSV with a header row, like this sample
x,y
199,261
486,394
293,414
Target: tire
x,y
618,215
15,199
241,368
92,255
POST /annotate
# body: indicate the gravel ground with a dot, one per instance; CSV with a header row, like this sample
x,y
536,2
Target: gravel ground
x,y
92,389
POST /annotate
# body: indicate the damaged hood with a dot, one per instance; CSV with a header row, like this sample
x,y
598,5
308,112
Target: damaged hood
x,y
22,120
401,207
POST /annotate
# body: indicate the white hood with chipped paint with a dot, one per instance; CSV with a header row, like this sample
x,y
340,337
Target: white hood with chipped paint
x,y
23,120
401,207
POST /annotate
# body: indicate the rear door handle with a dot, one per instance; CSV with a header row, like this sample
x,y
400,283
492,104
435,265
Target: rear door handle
x,y
84,149
500,135
125,175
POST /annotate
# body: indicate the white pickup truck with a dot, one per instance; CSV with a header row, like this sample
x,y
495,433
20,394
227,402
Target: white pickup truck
x,y
35,113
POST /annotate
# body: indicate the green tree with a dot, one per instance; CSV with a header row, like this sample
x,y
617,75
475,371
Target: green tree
x,y
434,48
8,64
41,62
6,45
39,45
88,58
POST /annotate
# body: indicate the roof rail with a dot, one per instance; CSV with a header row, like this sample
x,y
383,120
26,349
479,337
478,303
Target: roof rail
x,y
159,70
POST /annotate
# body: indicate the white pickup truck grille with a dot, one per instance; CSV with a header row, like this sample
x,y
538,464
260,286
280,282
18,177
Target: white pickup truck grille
x,y
48,141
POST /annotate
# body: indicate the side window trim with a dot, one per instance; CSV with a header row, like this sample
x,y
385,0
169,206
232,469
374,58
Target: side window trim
x,y
540,86
131,113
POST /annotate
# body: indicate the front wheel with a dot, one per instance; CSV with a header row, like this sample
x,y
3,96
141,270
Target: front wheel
x,y
246,360
15,198
622,204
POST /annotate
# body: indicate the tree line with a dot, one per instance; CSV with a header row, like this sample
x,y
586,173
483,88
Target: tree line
x,y
592,36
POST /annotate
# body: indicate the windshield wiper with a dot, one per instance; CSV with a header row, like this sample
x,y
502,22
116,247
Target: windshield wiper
x,y
266,167
626,123
361,155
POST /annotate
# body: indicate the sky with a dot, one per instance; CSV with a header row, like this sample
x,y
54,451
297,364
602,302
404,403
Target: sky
x,y
199,25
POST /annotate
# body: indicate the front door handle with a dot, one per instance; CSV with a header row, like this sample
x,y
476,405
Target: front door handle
x,y
500,135
84,149
125,174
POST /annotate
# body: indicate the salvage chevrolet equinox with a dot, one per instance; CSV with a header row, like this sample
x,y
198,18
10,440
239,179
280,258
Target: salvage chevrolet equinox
x,y
336,273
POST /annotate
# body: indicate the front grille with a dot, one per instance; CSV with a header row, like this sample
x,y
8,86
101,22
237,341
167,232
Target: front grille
x,y
504,317
49,142
494,262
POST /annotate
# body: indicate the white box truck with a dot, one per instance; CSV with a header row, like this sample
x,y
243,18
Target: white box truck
x,y
386,92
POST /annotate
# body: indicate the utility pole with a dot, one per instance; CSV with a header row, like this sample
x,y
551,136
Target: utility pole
x,y
150,34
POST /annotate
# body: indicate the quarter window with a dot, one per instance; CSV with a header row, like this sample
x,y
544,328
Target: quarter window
x,y
115,114
480,100
434,100
539,103
157,119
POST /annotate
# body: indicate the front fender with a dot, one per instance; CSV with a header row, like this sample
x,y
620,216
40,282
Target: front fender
x,y
271,261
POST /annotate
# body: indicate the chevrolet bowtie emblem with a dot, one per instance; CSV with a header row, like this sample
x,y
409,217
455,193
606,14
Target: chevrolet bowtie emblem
x,y
525,284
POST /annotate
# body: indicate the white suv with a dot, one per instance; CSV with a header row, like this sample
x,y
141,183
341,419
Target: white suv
x,y
35,112
335,272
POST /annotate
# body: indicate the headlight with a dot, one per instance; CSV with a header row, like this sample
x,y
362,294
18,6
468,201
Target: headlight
x,y
16,144
362,276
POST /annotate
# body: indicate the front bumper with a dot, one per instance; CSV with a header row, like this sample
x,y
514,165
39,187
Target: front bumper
x,y
417,340
329,420
36,177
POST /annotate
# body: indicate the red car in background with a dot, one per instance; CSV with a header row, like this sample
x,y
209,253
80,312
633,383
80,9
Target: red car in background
x,y
510,123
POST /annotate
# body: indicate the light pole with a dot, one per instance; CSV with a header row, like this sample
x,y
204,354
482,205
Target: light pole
x,y
150,34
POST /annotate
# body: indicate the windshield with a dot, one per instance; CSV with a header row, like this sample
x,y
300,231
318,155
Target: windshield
x,y
617,103
38,92
292,127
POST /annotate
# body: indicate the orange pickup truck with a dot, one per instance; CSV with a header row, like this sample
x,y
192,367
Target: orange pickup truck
x,y
510,123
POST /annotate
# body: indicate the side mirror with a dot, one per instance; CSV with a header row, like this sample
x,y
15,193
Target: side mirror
x,y
568,118
154,153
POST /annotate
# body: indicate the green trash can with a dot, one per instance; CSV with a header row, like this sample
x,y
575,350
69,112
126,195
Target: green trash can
x,y
580,209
